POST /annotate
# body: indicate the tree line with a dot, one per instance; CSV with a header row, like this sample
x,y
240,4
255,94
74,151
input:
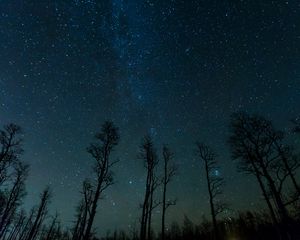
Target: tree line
x,y
257,147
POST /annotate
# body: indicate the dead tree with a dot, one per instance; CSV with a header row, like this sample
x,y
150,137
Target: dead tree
x,y
286,159
264,190
50,233
215,182
169,172
152,205
12,173
14,197
149,156
249,166
17,226
82,211
25,228
39,215
10,148
252,145
101,151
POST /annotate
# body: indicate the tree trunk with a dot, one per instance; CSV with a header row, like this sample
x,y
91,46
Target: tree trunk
x,y
93,213
265,194
150,211
145,209
211,202
163,210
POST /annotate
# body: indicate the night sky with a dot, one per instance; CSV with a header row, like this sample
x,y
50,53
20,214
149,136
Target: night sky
x,y
175,69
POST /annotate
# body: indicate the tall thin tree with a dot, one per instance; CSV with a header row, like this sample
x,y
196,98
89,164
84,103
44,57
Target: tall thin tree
x,y
83,211
101,151
169,172
40,214
253,145
286,158
215,182
14,196
149,156
10,148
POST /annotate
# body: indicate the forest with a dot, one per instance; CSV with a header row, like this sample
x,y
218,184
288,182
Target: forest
x,y
257,148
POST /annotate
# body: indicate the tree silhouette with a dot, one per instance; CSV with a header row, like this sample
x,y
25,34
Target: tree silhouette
x,y
17,226
100,151
251,143
169,172
258,148
242,149
215,182
10,148
83,211
13,197
26,227
50,232
288,163
148,154
40,215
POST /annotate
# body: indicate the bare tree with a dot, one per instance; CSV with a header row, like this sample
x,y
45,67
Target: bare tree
x,y
248,163
215,182
153,204
25,228
148,154
288,163
39,215
12,176
83,211
10,148
252,143
17,226
264,190
169,172
283,157
107,139
14,197
50,233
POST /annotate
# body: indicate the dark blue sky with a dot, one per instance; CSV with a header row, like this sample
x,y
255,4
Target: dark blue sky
x,y
175,69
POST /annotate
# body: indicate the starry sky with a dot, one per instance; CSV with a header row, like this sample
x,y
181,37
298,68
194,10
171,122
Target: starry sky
x,y
175,69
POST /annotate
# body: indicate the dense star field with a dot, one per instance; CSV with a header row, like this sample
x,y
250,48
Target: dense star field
x,y
173,69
